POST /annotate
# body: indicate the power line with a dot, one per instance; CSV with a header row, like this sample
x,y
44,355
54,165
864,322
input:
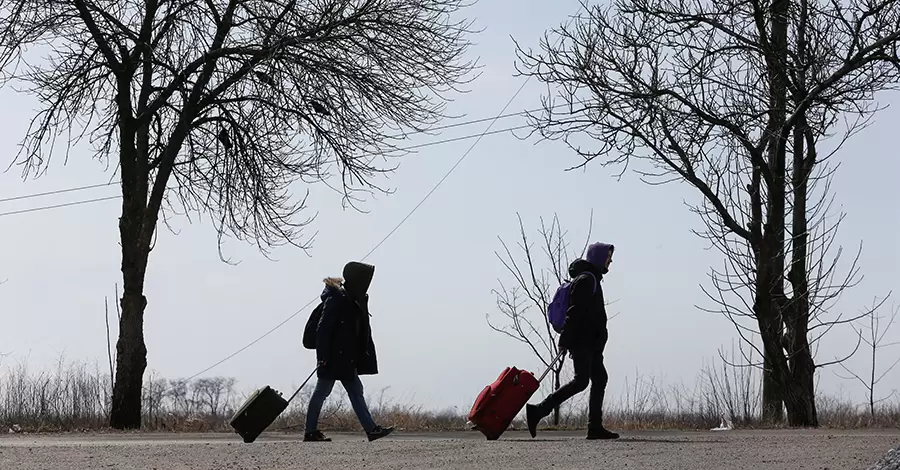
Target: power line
x,y
467,137
57,191
480,120
446,175
57,206
438,128
89,201
437,185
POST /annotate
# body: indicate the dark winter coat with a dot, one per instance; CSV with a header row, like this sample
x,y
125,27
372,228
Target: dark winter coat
x,y
585,325
344,344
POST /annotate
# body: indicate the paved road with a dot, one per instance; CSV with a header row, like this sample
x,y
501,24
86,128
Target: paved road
x,y
820,449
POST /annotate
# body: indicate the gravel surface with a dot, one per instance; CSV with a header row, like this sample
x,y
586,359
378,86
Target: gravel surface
x,y
821,449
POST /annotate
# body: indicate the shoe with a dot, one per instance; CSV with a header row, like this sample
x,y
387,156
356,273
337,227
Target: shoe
x,y
601,433
315,437
379,432
532,417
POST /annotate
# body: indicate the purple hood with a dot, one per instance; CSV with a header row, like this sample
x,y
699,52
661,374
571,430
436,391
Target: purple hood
x,y
597,254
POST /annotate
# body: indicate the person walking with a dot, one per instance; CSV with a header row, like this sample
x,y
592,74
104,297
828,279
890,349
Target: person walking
x,y
345,349
584,336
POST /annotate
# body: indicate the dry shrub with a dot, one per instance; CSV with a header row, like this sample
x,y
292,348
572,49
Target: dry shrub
x,y
75,396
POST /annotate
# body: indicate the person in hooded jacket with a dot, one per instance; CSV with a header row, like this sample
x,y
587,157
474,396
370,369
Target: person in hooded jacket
x,y
345,349
584,336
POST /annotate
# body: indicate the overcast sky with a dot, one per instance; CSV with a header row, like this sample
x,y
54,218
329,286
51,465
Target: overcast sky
x,y
434,276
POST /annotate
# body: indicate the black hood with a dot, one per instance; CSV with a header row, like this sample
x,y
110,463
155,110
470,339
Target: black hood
x,y
357,278
580,266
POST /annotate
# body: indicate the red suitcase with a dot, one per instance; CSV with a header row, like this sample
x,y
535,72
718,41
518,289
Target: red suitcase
x,y
499,403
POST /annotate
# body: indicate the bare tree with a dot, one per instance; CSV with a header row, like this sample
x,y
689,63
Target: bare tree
x,y
536,276
734,98
872,332
214,393
217,106
153,398
734,287
178,391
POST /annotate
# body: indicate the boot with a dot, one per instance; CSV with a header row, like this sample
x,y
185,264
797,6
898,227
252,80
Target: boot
x,y
316,436
595,416
533,416
601,433
379,432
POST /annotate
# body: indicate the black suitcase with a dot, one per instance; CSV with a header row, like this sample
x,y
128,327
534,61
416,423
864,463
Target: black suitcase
x,y
260,410
257,413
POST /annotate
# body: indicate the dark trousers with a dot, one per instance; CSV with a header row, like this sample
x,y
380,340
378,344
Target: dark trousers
x,y
354,389
589,369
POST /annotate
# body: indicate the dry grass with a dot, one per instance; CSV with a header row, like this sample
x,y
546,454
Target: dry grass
x,y
76,396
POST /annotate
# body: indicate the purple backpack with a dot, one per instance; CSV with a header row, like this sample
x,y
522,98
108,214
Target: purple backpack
x,y
556,311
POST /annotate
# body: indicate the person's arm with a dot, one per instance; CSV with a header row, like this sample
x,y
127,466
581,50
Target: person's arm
x,y
603,318
582,290
325,330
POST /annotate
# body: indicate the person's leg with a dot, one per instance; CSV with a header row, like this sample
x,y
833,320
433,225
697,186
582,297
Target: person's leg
x,y
581,365
357,397
599,379
316,402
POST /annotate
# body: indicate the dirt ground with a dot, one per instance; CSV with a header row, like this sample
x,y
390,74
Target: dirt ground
x,y
820,449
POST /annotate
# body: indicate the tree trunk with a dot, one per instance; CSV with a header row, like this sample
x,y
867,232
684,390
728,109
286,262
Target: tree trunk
x,y
801,407
131,360
801,401
130,364
135,232
795,382
772,398
773,356
771,255
796,314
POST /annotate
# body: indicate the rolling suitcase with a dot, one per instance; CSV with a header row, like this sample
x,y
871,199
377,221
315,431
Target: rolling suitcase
x,y
260,410
499,403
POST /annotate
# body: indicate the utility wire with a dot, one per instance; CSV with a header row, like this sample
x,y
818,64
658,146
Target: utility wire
x,y
58,206
58,191
438,128
89,201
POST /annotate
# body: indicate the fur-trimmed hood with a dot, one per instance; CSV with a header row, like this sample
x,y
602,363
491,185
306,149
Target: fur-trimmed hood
x,y
334,282
355,282
333,286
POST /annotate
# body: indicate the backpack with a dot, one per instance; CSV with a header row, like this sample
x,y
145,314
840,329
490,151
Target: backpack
x,y
312,327
556,311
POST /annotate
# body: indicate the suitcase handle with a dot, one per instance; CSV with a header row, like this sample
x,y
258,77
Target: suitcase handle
x,y
297,392
561,355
